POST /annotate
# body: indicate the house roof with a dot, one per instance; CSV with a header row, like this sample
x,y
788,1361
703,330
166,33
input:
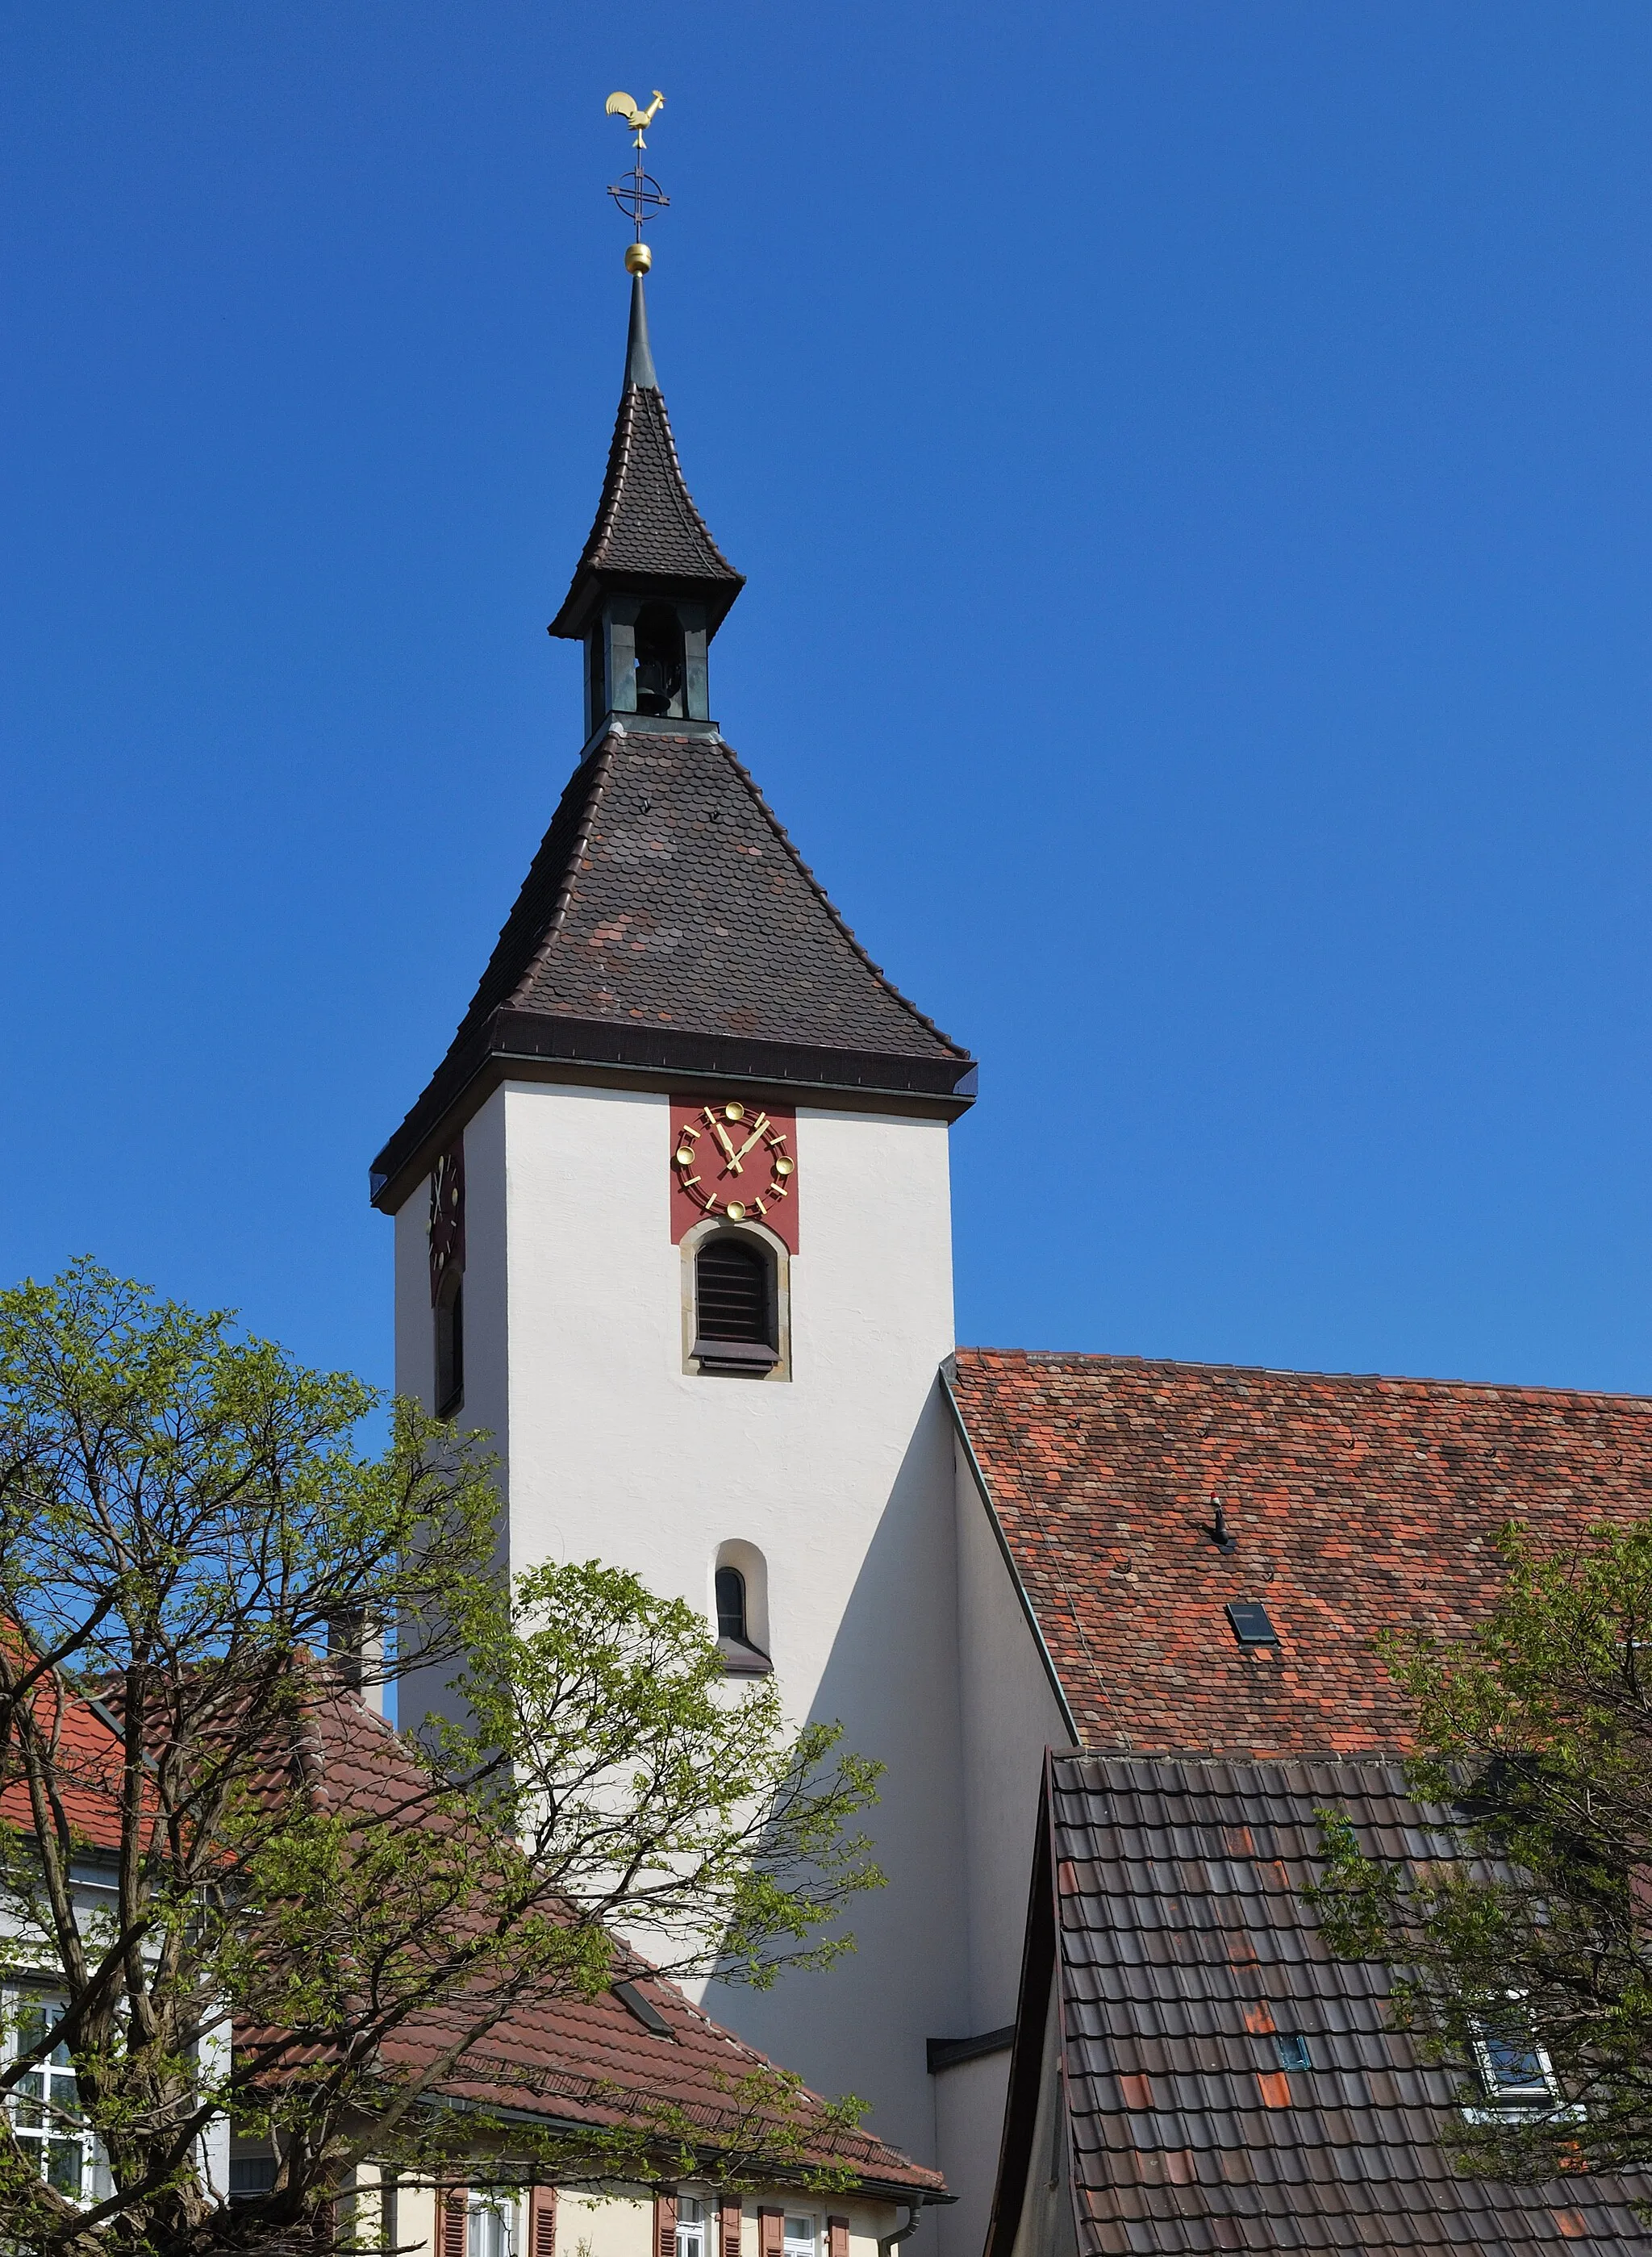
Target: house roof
x,y
669,926
568,2060
648,532
87,1772
1355,1504
1172,1889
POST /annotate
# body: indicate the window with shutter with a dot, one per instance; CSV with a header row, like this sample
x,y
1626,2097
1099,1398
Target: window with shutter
x,y
729,2226
771,2232
455,2205
665,2225
734,1303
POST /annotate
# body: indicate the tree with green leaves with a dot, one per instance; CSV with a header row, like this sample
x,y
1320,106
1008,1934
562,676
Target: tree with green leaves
x,y
189,1529
1523,1950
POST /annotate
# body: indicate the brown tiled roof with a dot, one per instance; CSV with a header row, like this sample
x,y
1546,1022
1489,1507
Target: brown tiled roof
x,y
567,2060
648,531
87,1773
1356,1503
667,919
1185,1948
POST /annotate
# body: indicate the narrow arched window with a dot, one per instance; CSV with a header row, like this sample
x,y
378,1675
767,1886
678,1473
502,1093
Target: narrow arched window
x,y
734,1303
731,1604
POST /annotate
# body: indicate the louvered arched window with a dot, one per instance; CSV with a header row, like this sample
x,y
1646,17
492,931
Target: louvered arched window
x,y
734,1303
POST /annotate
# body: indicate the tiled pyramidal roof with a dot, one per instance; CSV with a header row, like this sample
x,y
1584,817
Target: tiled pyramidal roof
x,y
668,925
1354,1504
648,531
668,922
1184,1953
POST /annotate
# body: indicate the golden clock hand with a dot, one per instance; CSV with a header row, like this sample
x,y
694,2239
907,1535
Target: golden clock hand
x,y
758,1126
721,1134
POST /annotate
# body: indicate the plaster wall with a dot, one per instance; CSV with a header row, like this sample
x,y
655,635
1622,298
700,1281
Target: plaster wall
x,y
968,2108
841,1476
486,1402
1008,1715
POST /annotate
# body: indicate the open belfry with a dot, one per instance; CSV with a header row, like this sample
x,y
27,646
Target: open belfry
x,y
673,1224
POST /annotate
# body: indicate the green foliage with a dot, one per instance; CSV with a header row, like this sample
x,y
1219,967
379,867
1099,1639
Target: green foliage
x,y
1534,1742
185,1522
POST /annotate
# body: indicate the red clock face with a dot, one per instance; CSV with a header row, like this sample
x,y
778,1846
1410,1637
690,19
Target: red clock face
x,y
447,1218
733,1157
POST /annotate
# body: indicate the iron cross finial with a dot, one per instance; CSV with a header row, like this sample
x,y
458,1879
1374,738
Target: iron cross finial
x,y
641,193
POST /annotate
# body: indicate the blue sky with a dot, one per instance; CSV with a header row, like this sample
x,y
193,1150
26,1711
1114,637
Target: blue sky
x,y
1191,463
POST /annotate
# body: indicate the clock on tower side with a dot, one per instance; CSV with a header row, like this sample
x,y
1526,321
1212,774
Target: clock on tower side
x,y
673,1224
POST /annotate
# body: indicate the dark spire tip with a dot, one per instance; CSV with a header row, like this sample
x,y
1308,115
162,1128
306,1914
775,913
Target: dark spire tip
x,y
639,361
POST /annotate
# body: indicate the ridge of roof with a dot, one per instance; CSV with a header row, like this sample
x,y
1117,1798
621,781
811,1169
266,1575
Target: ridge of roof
x,y
1104,1359
668,911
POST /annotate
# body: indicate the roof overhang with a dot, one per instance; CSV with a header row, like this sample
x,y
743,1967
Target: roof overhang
x,y
591,583
515,1046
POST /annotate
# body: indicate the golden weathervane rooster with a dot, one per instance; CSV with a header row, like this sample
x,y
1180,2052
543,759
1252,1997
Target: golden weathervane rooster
x,y
622,105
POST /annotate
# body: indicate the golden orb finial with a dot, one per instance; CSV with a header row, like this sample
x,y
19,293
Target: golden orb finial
x,y
638,258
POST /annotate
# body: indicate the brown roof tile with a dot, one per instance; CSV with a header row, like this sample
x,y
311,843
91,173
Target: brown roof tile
x,y
1219,2146
583,2060
1357,1503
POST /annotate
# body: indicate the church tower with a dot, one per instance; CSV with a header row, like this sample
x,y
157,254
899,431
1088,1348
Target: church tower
x,y
672,1223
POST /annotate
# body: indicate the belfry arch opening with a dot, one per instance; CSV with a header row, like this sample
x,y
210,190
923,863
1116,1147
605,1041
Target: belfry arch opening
x,y
660,663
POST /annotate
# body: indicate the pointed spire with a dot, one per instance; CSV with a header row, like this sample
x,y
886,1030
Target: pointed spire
x,y
639,361
648,539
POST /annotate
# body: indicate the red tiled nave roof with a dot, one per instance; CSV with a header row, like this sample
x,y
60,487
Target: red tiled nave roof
x,y
1358,1503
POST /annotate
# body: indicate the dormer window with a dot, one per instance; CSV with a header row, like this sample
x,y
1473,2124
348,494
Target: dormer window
x,y
734,1299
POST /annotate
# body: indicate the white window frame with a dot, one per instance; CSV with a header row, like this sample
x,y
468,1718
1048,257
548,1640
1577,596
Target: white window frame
x,y
20,1999
1515,2104
499,2206
693,2232
796,2245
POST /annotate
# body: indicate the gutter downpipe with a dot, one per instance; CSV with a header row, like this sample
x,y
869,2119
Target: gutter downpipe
x,y
886,2241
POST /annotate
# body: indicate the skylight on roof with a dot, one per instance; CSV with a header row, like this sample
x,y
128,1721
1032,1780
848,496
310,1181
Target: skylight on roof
x,y
644,2008
1251,1623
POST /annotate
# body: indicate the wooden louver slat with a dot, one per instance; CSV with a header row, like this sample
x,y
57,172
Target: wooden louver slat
x,y
731,1290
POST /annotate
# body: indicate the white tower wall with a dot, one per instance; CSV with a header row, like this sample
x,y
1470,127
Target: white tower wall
x,y
841,1476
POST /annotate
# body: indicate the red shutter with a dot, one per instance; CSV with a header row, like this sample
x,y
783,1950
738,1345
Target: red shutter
x,y
837,2237
729,2226
541,2222
456,2206
771,2232
665,2225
